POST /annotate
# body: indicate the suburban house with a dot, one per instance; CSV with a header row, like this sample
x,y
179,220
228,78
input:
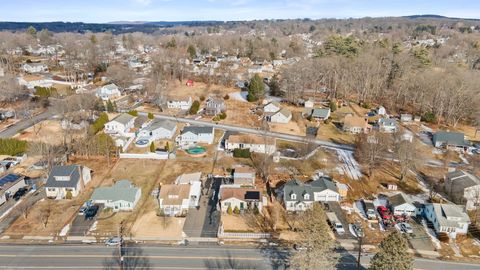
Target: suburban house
x,y
406,118
107,92
256,143
240,198
120,124
180,103
450,140
309,103
192,135
215,106
447,218
463,188
175,200
272,107
122,196
320,114
355,124
381,110
244,176
299,196
387,125
67,181
9,184
283,116
158,129
34,67
402,205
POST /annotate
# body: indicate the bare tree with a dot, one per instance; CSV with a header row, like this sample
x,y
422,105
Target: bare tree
x,y
45,214
369,150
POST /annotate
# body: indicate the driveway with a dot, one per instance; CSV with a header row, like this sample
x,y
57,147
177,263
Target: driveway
x,y
335,207
419,240
24,124
204,222
80,225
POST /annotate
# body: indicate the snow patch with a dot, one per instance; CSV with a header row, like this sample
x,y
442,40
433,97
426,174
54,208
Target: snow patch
x,y
64,230
350,165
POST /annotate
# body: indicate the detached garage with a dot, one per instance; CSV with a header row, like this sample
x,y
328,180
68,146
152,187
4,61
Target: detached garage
x,y
402,205
324,190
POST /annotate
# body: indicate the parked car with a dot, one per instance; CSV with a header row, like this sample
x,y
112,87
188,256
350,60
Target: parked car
x,y
369,209
405,227
335,223
384,212
91,212
357,229
20,192
114,241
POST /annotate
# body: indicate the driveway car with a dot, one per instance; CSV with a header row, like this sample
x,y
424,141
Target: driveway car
x,y
406,228
91,212
20,192
114,241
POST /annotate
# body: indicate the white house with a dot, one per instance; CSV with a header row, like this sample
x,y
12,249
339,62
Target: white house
x,y
272,107
174,199
122,196
158,129
299,196
381,110
255,143
447,218
109,91
283,116
34,67
402,205
387,125
194,134
241,199
180,103
463,188
120,125
309,103
65,180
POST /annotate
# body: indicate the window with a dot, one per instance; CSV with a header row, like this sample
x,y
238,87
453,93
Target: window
x,y
293,196
306,196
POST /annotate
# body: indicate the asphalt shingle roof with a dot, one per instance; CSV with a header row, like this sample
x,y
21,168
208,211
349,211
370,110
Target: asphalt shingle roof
x,y
73,171
197,130
122,190
123,118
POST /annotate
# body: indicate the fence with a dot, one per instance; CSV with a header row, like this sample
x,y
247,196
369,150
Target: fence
x,y
144,156
241,235
130,140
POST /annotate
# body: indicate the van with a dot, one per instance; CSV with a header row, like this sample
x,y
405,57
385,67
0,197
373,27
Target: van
x,y
335,223
369,209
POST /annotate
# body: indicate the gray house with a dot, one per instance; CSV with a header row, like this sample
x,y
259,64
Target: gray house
x,y
299,196
64,180
122,196
450,140
158,129
215,106
321,113
463,188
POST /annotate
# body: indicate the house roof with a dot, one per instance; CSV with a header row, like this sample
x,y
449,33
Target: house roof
x,y
323,183
122,190
72,171
123,118
244,169
320,112
110,86
187,178
197,130
243,194
285,112
399,199
215,101
299,188
174,194
354,121
274,103
387,122
160,123
448,215
452,138
462,179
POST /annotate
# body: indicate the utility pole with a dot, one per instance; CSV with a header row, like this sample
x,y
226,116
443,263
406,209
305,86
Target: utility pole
x,y
120,250
360,240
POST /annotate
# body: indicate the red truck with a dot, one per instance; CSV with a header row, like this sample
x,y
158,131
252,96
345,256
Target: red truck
x,y
384,212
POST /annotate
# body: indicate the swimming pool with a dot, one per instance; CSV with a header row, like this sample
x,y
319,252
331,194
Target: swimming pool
x,y
198,150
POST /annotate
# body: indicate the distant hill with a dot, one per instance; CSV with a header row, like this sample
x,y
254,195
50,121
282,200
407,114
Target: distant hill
x,y
434,16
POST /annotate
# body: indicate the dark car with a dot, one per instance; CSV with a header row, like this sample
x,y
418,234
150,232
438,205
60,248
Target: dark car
x,y
91,212
20,192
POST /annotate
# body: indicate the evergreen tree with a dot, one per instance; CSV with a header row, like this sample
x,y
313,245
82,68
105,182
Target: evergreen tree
x,y
150,116
110,107
152,147
256,89
192,52
392,254
333,105
31,31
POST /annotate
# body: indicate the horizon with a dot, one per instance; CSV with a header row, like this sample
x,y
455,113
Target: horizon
x,y
108,11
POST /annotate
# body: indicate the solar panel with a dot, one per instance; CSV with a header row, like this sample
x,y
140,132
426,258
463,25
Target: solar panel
x,y
9,178
252,195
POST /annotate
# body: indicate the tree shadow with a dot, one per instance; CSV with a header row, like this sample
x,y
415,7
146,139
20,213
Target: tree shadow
x,y
278,255
229,262
347,261
133,258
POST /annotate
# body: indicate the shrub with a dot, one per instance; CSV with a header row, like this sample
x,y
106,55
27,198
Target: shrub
x,y
133,113
45,92
152,147
69,195
236,210
99,124
333,105
12,146
150,116
229,210
429,117
167,147
202,98
226,97
222,116
327,121
195,107
241,153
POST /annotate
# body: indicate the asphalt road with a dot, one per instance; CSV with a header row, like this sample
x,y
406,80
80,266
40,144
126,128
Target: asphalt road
x,y
25,123
253,131
170,257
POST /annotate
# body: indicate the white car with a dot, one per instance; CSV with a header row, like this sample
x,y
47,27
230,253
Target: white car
x,y
406,228
114,241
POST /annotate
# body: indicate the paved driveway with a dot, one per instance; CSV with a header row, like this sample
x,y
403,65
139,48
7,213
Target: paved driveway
x,y
30,199
419,240
335,207
80,225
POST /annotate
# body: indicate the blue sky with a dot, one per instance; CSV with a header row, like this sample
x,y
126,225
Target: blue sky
x,y
179,10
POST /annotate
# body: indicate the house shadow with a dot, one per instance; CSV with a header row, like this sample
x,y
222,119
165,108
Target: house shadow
x,y
133,258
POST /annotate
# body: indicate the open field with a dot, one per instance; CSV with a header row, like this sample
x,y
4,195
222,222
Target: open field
x,y
48,131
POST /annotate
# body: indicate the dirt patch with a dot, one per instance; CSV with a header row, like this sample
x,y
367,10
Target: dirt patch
x,y
48,131
151,225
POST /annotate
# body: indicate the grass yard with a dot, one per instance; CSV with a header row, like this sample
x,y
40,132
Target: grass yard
x,y
48,131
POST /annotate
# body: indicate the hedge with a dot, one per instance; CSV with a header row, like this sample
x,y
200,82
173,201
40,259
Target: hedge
x,y
12,147
241,153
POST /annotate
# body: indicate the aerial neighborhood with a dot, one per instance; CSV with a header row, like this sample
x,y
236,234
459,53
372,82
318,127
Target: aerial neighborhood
x,y
363,131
